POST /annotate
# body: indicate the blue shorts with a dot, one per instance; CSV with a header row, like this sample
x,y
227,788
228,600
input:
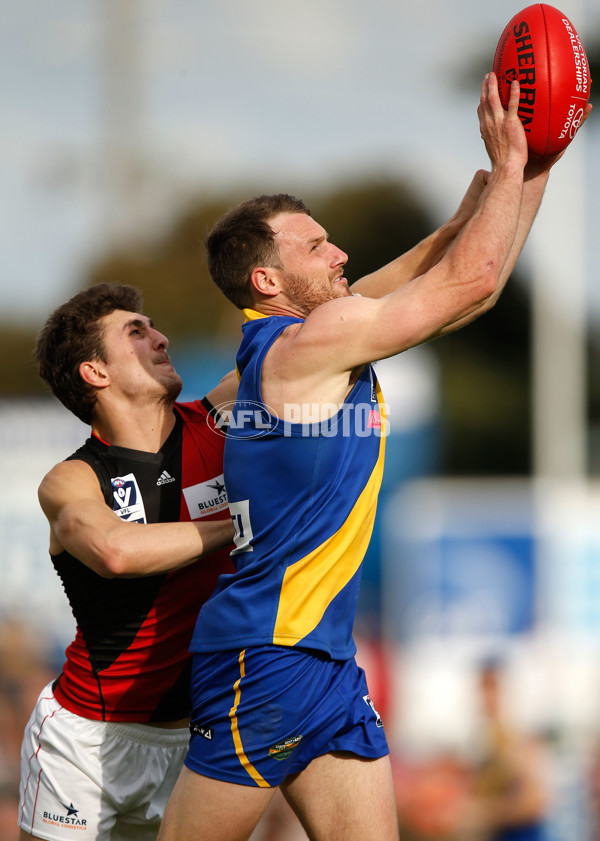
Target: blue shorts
x,y
266,712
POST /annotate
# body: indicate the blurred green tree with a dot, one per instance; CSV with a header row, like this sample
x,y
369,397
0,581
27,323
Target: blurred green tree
x,y
18,372
173,276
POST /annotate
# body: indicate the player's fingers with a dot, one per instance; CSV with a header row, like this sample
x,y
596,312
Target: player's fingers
x,y
586,113
483,109
482,177
492,97
484,89
513,102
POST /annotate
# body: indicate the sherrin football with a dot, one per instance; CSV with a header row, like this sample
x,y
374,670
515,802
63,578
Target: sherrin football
x,y
542,50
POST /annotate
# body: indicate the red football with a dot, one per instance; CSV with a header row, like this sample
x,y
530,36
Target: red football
x,y
541,49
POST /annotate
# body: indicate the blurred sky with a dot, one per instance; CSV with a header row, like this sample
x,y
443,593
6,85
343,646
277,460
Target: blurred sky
x,y
275,94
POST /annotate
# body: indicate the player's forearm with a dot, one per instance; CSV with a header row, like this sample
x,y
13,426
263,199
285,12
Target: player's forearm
x,y
436,302
412,264
133,550
533,191
426,253
482,250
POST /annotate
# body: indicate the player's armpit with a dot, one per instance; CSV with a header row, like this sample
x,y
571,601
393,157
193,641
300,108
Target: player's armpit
x,y
222,396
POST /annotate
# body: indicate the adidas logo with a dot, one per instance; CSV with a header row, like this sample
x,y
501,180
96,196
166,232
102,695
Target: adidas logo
x,y
164,478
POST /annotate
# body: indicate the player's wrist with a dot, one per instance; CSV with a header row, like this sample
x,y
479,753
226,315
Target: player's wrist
x,y
511,168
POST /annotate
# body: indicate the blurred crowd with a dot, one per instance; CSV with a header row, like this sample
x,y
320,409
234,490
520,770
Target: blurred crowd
x,y
501,791
26,666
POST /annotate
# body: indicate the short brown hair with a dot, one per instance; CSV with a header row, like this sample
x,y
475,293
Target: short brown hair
x,y
242,240
73,334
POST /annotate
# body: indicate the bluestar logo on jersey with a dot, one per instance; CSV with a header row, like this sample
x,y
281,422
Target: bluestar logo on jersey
x,y
206,497
69,820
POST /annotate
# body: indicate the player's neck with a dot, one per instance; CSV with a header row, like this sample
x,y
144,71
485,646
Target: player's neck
x,y
138,428
278,306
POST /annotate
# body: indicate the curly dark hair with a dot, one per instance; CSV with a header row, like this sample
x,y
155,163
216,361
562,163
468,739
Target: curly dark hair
x,y
73,334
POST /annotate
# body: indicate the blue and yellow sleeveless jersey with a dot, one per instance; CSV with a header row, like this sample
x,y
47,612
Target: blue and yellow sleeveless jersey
x,y
303,500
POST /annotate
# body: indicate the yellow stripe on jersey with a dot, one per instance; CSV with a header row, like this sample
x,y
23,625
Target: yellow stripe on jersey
x,y
235,732
252,315
311,584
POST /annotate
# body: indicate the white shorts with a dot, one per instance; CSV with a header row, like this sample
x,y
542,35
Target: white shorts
x,y
95,780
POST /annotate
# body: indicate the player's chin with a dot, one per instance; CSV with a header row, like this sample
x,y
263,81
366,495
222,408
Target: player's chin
x,y
340,288
173,386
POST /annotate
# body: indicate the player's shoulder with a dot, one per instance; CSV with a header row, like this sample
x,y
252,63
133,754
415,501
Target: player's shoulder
x,y
333,319
68,470
67,476
192,411
203,423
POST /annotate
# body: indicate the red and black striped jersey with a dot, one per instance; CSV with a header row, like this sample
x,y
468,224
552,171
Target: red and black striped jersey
x,y
129,660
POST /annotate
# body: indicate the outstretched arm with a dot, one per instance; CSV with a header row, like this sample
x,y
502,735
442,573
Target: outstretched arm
x,y
426,253
430,250
535,178
82,523
314,358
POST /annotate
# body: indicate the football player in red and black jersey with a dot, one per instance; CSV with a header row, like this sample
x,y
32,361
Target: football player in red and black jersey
x,y
139,533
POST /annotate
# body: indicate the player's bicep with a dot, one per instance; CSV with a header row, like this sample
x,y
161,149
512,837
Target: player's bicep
x,y
335,337
74,505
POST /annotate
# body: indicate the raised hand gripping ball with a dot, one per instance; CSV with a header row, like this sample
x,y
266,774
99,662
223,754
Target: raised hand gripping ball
x,y
542,51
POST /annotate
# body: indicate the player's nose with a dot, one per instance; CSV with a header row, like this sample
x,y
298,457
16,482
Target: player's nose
x,y
339,257
160,341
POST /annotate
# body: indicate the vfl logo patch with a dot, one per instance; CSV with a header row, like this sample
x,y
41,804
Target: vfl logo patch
x,y
127,499
283,749
206,497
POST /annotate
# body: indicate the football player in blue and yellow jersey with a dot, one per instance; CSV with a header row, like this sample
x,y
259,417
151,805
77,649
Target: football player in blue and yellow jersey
x,y
279,700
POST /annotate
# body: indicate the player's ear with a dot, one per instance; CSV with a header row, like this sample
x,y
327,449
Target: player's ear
x,y
265,281
93,373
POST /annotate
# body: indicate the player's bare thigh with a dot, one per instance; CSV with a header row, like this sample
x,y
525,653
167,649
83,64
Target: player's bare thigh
x,y
25,836
203,809
341,797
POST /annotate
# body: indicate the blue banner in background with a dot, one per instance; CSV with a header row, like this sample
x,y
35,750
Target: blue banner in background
x,y
458,561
